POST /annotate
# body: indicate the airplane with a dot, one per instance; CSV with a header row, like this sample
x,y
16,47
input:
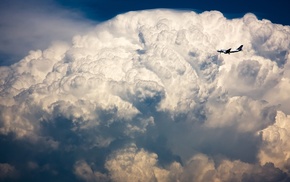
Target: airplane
x,y
228,51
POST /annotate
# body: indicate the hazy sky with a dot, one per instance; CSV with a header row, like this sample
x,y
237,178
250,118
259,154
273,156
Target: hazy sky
x,y
144,96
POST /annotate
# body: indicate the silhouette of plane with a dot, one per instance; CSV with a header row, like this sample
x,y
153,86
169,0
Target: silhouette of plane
x,y
228,51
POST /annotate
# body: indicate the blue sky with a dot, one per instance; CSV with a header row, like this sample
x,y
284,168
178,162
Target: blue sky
x,y
275,11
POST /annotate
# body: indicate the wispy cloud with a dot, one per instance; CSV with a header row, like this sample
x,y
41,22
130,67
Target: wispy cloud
x,y
34,25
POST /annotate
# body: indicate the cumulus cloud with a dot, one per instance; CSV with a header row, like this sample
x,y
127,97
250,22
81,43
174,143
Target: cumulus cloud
x,y
136,164
275,147
131,164
146,96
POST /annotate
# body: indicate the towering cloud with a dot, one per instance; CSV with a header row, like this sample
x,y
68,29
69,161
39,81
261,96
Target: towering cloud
x,y
145,96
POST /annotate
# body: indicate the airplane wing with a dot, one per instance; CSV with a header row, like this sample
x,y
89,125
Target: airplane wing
x,y
228,51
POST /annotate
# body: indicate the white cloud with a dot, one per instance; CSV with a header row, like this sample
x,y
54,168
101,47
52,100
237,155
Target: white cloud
x,y
245,114
279,93
151,74
131,163
275,147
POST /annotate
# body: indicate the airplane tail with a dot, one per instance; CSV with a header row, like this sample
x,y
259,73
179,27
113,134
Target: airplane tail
x,y
240,48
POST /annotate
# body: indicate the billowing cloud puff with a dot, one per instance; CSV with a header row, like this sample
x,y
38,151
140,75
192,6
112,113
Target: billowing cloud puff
x,y
146,96
275,147
131,163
